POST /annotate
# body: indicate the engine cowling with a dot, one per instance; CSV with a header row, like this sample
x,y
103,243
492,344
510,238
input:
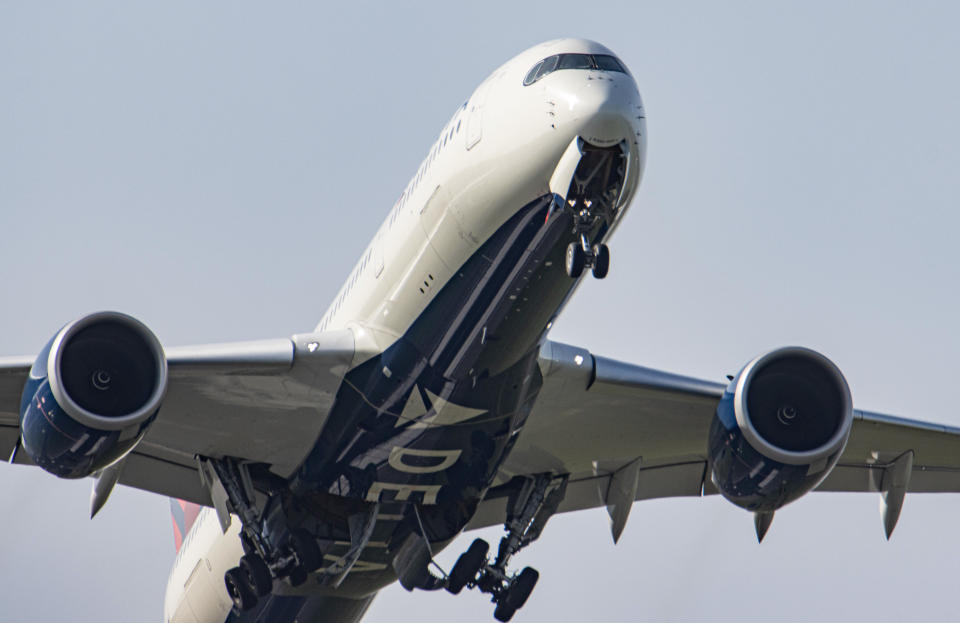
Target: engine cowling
x,y
779,429
92,393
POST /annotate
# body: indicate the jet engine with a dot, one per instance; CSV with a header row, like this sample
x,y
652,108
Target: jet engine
x,y
779,428
92,392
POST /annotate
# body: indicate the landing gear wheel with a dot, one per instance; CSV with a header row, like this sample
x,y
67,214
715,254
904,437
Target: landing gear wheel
x,y
601,261
521,587
239,590
504,611
576,259
257,574
305,548
297,577
467,566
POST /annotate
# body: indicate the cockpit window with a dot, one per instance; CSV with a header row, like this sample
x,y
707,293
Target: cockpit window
x,y
546,66
608,63
576,61
602,62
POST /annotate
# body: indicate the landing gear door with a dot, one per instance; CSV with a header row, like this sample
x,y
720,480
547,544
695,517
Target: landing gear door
x,y
563,175
629,161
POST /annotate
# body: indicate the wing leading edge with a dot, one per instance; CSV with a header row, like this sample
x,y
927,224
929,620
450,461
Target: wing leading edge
x,y
263,401
597,419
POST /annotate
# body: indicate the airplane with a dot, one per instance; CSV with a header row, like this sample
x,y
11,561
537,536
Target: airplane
x,y
306,473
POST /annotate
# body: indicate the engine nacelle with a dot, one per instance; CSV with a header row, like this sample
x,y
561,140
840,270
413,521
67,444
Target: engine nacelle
x,y
91,394
779,428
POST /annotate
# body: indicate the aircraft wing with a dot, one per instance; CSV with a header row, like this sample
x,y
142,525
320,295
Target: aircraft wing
x,y
266,402
596,418
262,401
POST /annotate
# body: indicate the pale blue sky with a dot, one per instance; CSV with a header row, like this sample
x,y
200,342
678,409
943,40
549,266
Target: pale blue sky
x,y
216,170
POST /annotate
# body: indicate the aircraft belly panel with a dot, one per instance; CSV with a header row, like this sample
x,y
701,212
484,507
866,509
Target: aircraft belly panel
x,y
422,427
313,609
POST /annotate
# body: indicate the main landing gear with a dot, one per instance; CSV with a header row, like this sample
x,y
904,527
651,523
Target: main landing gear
x,y
285,553
253,578
528,510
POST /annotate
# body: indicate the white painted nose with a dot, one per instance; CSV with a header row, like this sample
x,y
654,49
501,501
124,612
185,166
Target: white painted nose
x,y
600,107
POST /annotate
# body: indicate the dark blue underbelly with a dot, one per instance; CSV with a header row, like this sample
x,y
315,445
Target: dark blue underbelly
x,y
423,427
474,346
317,609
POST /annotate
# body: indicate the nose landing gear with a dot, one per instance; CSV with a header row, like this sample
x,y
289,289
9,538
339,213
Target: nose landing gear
x,y
581,254
528,510
592,200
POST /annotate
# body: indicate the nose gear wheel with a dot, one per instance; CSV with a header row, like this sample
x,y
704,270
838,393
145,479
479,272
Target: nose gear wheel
x,y
580,255
601,261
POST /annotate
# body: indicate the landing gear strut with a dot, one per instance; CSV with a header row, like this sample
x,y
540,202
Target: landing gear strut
x,y
253,578
592,200
284,553
528,510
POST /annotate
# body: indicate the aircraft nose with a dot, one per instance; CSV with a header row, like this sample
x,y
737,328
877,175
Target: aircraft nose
x,y
602,108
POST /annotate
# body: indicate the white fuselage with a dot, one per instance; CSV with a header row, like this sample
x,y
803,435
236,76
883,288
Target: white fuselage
x,y
496,153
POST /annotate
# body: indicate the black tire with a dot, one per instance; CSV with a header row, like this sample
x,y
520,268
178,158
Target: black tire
x,y
522,586
239,590
305,548
257,574
467,566
297,577
575,260
601,265
504,611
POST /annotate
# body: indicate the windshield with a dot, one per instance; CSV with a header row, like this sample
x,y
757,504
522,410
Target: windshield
x,y
601,62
